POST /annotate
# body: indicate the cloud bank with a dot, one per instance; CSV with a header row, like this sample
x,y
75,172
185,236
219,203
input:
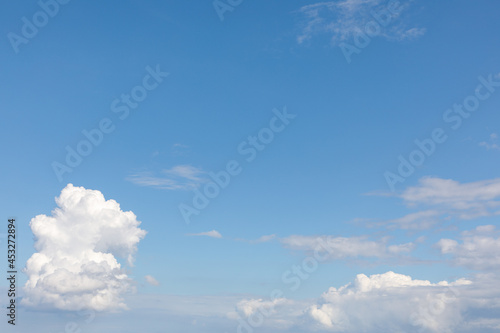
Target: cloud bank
x,y
75,266
380,303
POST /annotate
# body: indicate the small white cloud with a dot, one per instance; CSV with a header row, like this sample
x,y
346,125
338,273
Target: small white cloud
x,y
75,267
179,149
412,33
447,245
151,280
213,234
492,144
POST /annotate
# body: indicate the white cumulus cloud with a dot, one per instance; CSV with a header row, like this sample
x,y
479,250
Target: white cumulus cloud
x,y
75,266
392,301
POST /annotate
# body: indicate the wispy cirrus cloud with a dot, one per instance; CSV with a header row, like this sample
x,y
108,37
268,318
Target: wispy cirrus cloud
x,y
347,247
441,200
461,200
452,194
179,177
415,221
261,239
212,233
264,239
342,20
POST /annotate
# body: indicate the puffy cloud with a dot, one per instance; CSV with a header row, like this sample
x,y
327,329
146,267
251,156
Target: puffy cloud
x,y
447,245
151,280
75,265
344,247
390,302
179,177
480,248
213,234
342,20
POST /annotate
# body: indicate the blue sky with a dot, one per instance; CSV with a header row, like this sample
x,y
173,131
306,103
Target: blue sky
x,y
322,175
